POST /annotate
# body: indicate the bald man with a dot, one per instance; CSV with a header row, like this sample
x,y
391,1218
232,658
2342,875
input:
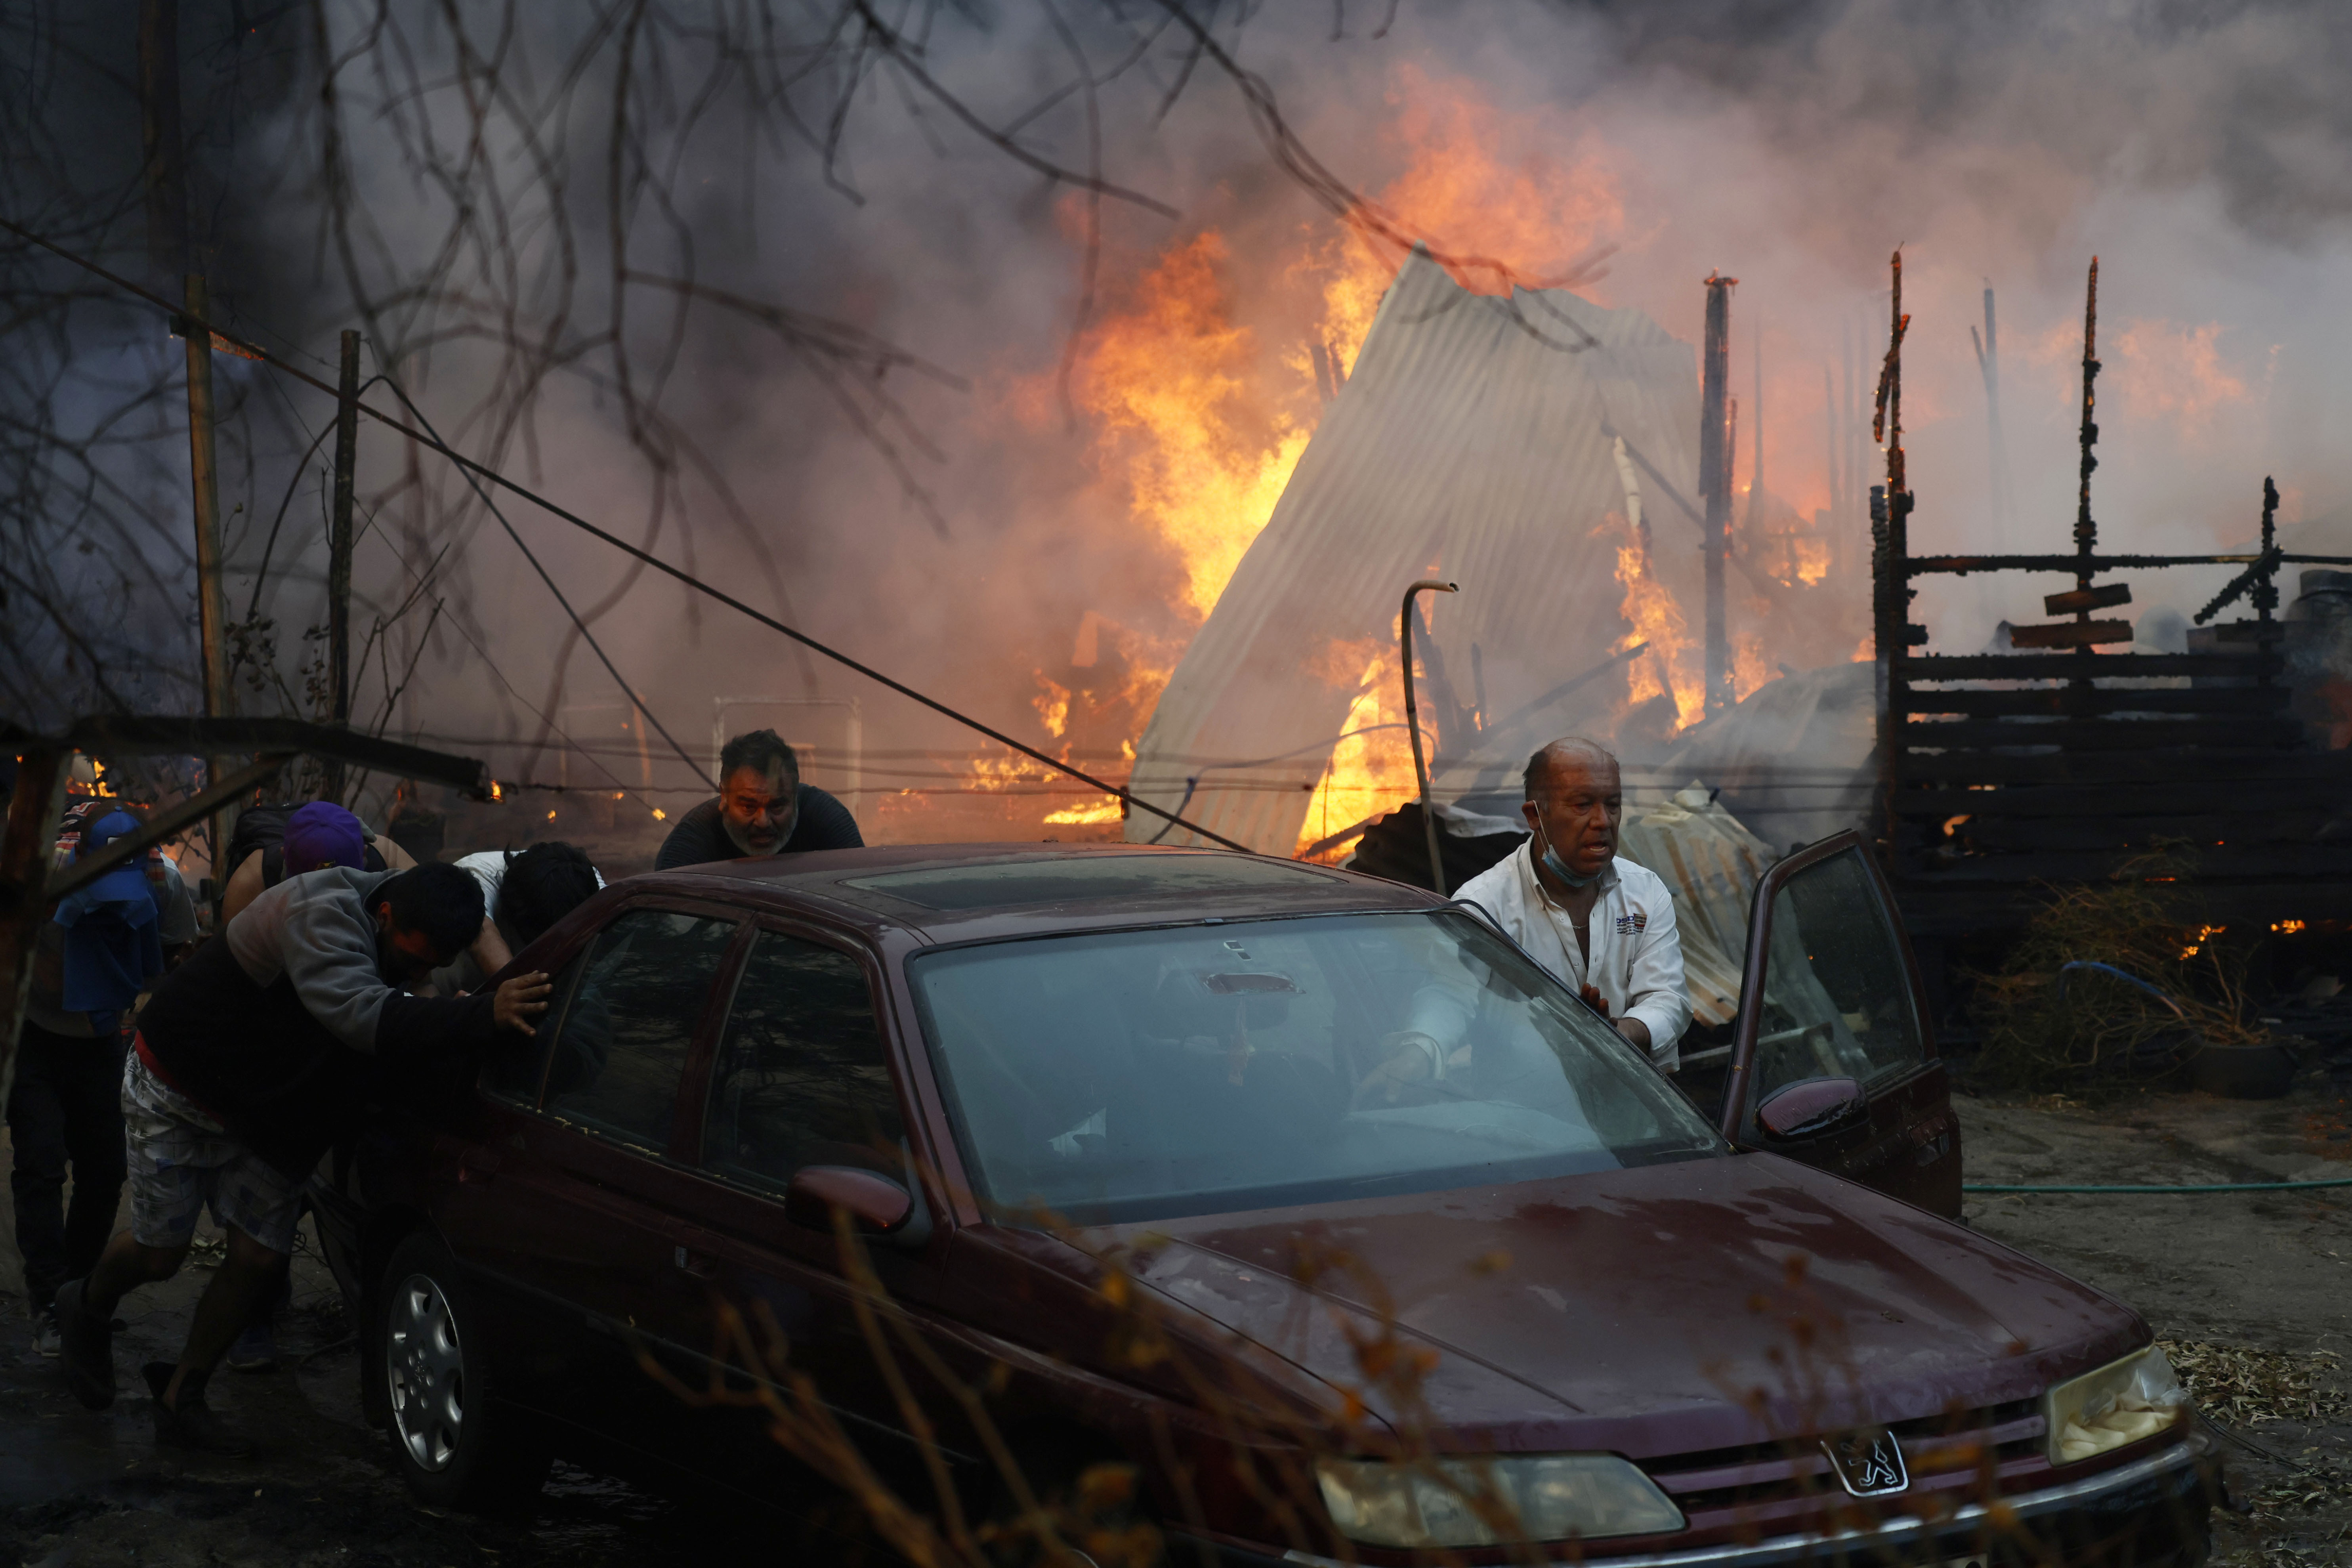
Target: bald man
x,y
1604,926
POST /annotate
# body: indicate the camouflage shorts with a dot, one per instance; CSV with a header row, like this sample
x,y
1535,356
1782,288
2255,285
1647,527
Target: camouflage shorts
x,y
182,1160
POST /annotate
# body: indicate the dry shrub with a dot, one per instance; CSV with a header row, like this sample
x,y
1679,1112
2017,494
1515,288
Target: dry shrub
x,y
2047,1026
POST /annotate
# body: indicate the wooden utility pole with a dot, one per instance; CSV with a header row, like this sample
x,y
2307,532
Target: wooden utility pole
x,y
339,553
165,177
211,612
1714,481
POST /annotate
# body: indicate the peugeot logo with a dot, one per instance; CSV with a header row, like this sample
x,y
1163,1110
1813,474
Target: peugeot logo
x,y
1869,1463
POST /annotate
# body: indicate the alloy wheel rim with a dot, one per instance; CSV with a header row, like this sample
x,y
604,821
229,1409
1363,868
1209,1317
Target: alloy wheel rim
x,y
424,1373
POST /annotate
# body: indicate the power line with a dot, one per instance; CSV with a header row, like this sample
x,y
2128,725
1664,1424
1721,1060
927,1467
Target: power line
x,y
582,627
267,357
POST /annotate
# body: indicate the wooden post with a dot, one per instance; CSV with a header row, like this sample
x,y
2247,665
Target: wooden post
x,y
164,157
212,611
1890,535
1714,481
339,553
2086,532
1996,451
24,849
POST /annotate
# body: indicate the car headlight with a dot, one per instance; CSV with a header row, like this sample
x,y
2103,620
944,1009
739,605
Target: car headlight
x,y
1553,1497
2121,1402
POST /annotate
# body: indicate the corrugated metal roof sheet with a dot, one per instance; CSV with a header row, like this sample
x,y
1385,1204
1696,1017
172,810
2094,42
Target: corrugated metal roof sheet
x,y
1468,444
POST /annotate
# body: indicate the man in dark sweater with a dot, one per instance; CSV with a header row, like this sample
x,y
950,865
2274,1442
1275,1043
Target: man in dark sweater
x,y
761,808
251,1058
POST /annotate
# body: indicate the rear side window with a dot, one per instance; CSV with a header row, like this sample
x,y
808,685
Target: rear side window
x,y
800,1077
624,1039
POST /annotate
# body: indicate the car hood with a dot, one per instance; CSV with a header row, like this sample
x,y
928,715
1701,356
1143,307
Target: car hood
x,y
1671,1308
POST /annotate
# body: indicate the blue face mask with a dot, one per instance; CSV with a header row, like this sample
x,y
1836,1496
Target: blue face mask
x,y
1559,868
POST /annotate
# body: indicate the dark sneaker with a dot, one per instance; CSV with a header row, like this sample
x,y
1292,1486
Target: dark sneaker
x,y
45,1334
192,1423
255,1351
87,1346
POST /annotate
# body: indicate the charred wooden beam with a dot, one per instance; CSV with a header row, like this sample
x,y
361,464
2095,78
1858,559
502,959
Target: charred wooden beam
x,y
2138,799
2070,634
2267,861
2077,701
2111,667
2223,768
2105,596
2103,734
1960,565
1988,834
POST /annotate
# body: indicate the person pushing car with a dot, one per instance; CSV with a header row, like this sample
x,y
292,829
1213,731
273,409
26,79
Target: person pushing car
x,y
250,1058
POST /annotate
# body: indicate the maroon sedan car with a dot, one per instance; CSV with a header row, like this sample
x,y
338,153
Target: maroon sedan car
x,y
1325,1128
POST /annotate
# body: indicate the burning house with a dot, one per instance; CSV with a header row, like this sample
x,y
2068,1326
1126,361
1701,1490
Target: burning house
x,y
1543,452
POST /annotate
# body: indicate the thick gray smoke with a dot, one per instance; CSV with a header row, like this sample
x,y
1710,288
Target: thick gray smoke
x,y
957,527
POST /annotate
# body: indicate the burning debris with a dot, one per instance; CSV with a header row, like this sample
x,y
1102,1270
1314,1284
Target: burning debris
x,y
1523,445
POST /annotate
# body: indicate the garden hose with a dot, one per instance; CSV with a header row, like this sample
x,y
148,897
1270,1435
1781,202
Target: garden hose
x,y
2203,1187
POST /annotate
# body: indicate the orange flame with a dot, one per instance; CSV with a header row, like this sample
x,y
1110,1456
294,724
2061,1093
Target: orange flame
x,y
1167,383
1370,769
1674,664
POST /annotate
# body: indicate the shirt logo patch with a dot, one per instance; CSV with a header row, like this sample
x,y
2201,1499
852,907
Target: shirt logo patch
x,y
1628,925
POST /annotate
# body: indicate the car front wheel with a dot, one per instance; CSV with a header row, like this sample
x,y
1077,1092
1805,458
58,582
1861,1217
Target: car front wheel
x,y
453,1442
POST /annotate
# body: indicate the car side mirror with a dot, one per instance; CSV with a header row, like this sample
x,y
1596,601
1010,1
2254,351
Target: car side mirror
x,y
1808,1108
876,1204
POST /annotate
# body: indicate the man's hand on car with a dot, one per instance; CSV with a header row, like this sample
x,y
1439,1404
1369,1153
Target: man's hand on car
x,y
521,999
1407,1057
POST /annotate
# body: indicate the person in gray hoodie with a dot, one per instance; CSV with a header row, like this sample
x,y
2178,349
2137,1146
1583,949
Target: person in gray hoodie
x,y
251,1059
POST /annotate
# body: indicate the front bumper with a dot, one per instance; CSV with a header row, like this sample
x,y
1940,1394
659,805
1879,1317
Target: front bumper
x,y
2149,1513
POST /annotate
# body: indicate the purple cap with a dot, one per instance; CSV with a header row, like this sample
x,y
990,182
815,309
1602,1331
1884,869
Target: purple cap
x,y
320,834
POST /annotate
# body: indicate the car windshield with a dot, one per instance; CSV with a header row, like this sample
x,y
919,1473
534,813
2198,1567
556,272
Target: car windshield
x,y
1130,1075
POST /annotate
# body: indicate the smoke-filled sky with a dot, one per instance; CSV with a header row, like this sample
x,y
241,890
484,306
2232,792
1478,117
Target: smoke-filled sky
x,y
2200,150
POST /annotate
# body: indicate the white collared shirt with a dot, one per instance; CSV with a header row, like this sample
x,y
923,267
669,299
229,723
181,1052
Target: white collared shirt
x,y
1636,960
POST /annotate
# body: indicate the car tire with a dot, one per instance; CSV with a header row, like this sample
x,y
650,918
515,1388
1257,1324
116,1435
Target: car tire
x,y
452,1441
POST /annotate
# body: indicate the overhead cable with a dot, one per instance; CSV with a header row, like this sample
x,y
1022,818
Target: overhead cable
x,y
264,356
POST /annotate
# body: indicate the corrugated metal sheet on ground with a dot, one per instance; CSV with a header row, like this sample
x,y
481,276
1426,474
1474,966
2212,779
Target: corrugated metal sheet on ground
x,y
1467,444
1711,864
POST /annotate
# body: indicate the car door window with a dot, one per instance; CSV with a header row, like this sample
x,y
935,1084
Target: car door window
x,y
1837,993
517,1061
800,1077
624,1041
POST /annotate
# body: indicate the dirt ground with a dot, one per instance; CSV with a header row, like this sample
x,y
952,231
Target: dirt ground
x,y
2255,1289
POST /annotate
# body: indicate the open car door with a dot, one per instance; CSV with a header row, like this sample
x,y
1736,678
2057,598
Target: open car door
x,y
1832,1060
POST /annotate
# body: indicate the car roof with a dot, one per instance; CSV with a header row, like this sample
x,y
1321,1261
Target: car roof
x,y
960,892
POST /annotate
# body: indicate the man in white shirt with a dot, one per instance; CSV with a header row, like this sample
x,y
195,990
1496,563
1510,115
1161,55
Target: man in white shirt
x,y
1604,926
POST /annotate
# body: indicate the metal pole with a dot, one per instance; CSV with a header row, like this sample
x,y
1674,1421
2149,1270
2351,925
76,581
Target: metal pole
x,y
1714,481
339,553
1413,728
212,613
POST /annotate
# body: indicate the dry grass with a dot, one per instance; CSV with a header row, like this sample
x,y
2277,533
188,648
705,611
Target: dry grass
x,y
2042,1035
2247,1387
